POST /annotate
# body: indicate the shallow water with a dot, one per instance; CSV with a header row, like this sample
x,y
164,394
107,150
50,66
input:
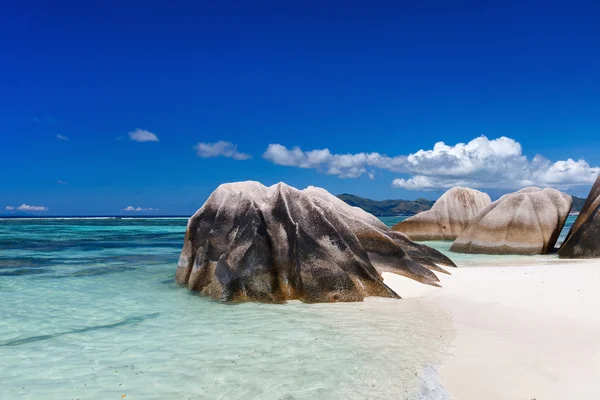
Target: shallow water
x,y
90,310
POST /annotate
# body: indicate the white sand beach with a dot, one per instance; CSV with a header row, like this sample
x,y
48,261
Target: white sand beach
x,y
523,332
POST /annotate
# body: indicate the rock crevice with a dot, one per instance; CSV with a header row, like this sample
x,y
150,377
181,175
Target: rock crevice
x,y
583,240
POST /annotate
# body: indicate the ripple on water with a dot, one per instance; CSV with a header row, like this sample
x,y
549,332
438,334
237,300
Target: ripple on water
x,y
99,334
24,271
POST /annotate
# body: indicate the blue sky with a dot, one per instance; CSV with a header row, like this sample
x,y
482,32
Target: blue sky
x,y
377,84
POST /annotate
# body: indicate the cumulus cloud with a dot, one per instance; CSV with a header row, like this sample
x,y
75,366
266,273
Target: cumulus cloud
x,y
480,163
26,207
62,137
485,163
9,208
342,165
138,209
61,182
220,148
142,135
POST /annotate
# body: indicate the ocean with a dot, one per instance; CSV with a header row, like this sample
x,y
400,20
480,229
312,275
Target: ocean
x,y
89,310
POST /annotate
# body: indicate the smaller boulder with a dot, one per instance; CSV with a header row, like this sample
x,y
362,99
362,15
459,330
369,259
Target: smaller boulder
x,y
525,222
448,216
583,240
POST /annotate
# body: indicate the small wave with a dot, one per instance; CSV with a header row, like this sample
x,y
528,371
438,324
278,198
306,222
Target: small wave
x,y
85,218
125,322
430,386
50,218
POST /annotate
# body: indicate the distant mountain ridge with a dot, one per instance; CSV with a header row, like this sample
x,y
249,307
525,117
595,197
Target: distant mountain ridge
x,y
390,208
577,204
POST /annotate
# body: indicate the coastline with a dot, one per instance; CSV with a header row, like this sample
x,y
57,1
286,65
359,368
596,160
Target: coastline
x,y
500,327
522,332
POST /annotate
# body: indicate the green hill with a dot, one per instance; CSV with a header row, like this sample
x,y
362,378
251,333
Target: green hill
x,y
577,204
388,208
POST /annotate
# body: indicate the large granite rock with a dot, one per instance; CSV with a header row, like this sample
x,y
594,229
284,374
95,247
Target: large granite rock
x,y
583,240
525,222
448,216
272,244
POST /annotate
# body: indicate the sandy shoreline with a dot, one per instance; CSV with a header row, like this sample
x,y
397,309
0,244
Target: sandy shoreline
x,y
523,332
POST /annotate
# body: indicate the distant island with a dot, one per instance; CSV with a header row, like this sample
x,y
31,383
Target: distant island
x,y
577,204
390,208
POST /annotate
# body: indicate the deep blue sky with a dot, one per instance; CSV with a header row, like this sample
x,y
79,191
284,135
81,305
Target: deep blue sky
x,y
387,77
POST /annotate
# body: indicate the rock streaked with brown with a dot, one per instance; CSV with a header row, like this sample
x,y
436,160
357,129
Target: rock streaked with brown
x,y
525,222
448,216
583,240
250,242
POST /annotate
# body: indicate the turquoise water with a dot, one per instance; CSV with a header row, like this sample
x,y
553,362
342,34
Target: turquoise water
x,y
90,310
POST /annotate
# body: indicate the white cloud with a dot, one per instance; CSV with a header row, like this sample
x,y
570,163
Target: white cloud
x,y
138,209
142,135
485,163
220,148
9,208
62,137
480,163
342,165
60,182
26,207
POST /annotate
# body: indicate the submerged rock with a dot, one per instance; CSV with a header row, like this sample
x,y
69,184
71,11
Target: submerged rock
x,y
272,244
525,222
583,240
448,216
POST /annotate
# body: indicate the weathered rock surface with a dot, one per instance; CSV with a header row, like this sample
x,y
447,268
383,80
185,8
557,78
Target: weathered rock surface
x,y
583,240
525,222
448,216
250,242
